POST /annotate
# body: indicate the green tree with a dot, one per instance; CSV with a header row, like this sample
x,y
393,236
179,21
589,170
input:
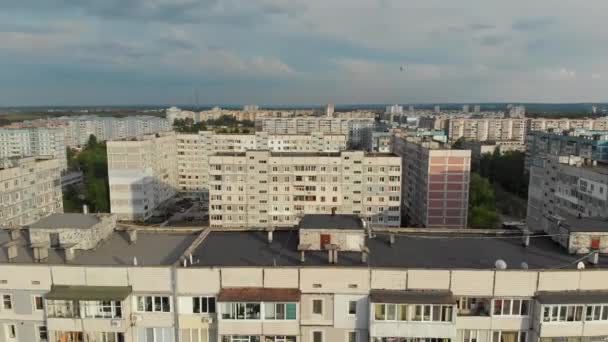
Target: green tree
x,y
482,201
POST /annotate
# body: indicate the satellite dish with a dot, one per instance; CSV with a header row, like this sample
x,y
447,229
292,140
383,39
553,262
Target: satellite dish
x,y
580,265
524,265
500,264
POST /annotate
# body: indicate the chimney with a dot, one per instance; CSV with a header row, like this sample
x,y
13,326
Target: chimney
x,y
69,254
85,209
526,239
12,250
594,258
392,239
335,256
132,235
41,253
364,257
270,232
302,256
330,254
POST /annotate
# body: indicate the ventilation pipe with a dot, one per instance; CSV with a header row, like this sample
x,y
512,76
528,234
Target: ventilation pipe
x,y
335,256
15,234
70,253
132,236
302,256
594,258
270,234
330,255
392,239
12,250
134,261
85,209
526,238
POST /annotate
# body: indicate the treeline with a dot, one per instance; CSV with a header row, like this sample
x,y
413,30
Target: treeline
x,y
482,203
505,169
227,124
93,163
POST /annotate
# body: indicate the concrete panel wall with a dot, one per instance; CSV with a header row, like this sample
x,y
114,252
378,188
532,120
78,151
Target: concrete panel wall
x,y
558,281
334,280
515,283
68,275
306,305
241,277
593,280
479,283
150,280
198,281
281,277
389,279
428,279
25,277
106,276
343,319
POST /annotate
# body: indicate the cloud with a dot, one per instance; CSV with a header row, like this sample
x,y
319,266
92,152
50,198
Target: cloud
x,y
596,76
531,24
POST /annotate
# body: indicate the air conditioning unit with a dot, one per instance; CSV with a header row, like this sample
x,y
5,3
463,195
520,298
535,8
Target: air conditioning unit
x,y
116,323
207,320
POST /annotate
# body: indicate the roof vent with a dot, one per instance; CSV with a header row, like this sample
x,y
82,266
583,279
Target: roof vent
x,y
580,265
500,264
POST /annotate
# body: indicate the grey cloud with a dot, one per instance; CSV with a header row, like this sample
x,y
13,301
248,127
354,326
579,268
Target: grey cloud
x,y
480,27
493,40
531,24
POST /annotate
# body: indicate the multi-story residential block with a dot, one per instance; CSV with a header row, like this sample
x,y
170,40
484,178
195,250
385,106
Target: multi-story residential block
x,y
435,189
358,130
34,141
381,142
142,174
564,124
193,151
484,129
338,285
592,145
270,189
30,189
78,129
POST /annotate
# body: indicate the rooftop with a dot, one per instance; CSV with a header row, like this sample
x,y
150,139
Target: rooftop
x,y
585,224
328,221
75,221
572,297
409,251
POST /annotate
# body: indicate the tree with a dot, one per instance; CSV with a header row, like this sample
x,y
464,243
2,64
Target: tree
x,y
482,211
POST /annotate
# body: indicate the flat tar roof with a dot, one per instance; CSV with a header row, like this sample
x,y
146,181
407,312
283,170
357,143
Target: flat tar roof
x,y
585,224
76,221
437,252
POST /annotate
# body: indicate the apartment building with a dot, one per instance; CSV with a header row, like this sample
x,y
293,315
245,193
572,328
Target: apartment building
x,y
30,190
484,129
193,151
435,189
592,145
78,129
142,174
358,130
34,141
557,125
266,287
271,189
380,142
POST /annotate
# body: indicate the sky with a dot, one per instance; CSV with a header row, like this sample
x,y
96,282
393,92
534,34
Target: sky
x,y
284,52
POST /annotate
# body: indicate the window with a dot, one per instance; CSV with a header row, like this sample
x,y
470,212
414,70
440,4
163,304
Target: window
x,y
562,313
511,307
7,302
317,306
596,313
62,308
42,334
108,337
390,312
352,307
280,311
203,304
153,304
240,338
471,335
352,336
241,311
434,313
11,331
156,334
509,336
102,309
317,336
38,303
470,306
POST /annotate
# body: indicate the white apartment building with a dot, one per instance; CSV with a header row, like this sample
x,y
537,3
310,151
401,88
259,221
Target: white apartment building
x,y
252,286
30,189
270,189
484,129
358,130
78,129
142,174
193,151
34,141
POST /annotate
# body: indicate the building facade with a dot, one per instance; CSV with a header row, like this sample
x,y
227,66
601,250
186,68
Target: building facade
x,y
268,189
484,129
34,141
435,189
31,189
142,174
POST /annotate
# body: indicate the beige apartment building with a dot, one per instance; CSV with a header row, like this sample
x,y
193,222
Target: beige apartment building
x,y
273,189
193,151
487,129
255,286
30,188
142,174
435,190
